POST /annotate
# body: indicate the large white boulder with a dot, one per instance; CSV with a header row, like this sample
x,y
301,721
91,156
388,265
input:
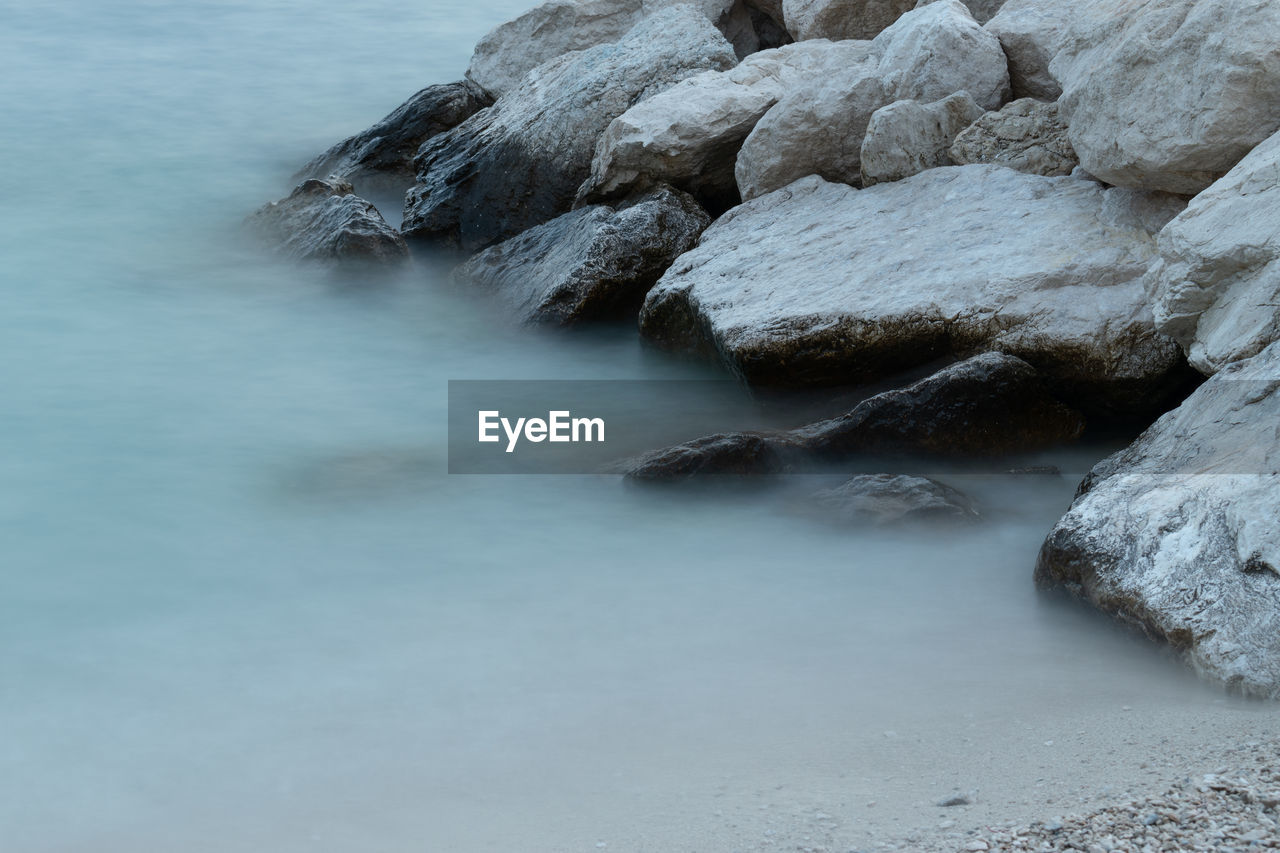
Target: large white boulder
x,y
938,50
907,137
1179,534
841,19
556,27
1031,32
1026,134
1216,285
1169,94
520,162
822,284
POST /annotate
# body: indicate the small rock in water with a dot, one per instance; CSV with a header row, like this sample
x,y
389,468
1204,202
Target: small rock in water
x,y
955,800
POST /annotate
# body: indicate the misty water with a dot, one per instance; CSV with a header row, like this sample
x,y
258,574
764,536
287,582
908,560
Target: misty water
x,y
244,608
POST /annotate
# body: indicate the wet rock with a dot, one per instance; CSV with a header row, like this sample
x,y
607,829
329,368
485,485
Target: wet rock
x,y
841,19
689,135
1027,135
1169,95
379,161
325,221
511,50
1177,533
733,454
819,284
887,499
1216,284
595,263
907,137
1031,32
520,162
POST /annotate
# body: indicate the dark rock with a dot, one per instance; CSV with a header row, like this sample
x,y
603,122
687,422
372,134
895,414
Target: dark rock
x,y
520,162
734,453
379,161
594,263
325,221
885,499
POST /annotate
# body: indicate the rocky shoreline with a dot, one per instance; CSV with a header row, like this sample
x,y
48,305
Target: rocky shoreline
x,y
828,193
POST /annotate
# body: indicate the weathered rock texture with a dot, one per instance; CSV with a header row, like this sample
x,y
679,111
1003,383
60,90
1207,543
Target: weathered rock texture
x,y
889,499
989,405
822,284
325,221
1031,32
907,137
1027,135
690,134
1170,94
841,19
1216,285
379,161
595,263
520,162
928,54
1178,533
552,29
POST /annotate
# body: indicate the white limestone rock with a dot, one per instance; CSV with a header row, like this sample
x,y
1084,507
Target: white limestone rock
x,y
821,284
1216,285
1169,94
841,19
1027,135
1031,32
1179,533
907,137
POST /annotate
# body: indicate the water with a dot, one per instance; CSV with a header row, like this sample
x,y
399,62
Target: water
x,y
242,608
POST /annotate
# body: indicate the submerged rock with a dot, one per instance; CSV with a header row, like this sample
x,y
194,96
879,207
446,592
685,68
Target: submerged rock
x,y
907,137
819,284
1031,33
1216,284
1169,95
511,50
1178,534
989,405
595,263
325,221
380,160
1027,135
520,162
888,499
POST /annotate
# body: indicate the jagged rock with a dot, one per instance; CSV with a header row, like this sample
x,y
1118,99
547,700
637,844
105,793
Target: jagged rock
x,y
841,19
907,137
520,162
1177,533
982,10
1031,32
890,499
1027,135
595,263
325,221
1169,94
821,284
1216,285
989,405
379,161
511,50
690,134
929,54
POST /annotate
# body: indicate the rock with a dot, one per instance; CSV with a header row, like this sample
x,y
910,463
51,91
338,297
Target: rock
x,y
841,19
1157,95
1216,285
1027,135
907,137
325,221
595,263
988,405
1031,32
929,54
819,284
520,162
379,161
953,800
885,499
511,50
689,135
1177,533
982,10
938,50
